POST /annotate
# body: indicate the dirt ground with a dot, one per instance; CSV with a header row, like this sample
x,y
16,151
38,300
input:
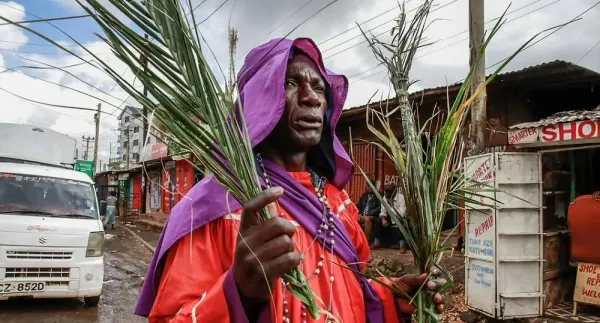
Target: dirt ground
x,y
392,263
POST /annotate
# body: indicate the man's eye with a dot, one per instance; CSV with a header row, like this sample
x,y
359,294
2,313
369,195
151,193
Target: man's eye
x,y
290,83
319,89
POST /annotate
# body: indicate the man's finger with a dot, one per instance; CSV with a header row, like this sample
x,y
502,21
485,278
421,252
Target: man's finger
x,y
439,308
274,227
282,264
410,282
253,207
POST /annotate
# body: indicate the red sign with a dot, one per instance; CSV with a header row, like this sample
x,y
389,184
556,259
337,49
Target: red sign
x,y
159,150
166,184
184,178
566,132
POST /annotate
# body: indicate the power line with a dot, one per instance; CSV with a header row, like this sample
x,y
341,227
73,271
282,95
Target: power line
x,y
460,33
589,51
212,13
362,23
273,30
382,33
456,42
44,20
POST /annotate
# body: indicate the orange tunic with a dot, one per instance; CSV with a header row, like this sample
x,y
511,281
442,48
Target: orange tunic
x,y
192,283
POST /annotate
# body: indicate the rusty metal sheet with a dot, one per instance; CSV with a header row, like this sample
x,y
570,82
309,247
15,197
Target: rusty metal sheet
x,y
364,155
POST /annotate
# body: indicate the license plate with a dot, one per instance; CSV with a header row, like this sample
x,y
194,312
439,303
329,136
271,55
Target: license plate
x,y
8,288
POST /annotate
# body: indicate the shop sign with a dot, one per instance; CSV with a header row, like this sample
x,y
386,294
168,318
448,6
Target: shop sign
x,y
85,166
587,284
562,133
159,150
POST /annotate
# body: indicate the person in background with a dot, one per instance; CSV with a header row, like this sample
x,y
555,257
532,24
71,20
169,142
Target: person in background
x,y
369,208
111,210
386,232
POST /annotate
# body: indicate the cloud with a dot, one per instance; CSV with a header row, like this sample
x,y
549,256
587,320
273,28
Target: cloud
x,y
12,37
343,46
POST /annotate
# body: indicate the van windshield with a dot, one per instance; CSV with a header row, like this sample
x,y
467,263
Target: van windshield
x,y
46,196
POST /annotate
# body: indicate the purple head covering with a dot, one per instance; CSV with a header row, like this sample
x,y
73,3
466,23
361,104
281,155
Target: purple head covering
x,y
261,83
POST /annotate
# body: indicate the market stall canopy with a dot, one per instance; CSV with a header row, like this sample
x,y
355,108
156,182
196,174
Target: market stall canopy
x,y
562,128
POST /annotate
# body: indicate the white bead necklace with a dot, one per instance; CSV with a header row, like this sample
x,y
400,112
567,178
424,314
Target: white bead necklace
x,y
325,230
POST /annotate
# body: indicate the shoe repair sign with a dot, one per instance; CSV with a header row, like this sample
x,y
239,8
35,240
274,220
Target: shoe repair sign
x,y
587,285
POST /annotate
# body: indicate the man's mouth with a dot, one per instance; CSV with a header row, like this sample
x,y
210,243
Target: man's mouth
x,y
310,123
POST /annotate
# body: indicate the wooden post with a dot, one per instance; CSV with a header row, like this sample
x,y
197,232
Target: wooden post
x,y
479,106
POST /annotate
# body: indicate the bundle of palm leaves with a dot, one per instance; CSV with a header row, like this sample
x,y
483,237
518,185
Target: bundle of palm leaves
x,y
432,182
186,97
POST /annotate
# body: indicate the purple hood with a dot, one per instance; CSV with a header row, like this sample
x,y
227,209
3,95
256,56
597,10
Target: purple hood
x,y
261,83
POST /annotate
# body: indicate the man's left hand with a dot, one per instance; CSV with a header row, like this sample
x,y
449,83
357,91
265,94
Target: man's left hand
x,y
410,284
596,196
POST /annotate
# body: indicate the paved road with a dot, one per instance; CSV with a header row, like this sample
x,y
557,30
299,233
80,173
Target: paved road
x,y
125,266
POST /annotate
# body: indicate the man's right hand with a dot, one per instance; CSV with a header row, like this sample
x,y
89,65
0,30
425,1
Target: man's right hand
x,y
270,241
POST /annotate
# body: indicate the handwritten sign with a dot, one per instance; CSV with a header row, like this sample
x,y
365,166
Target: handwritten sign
x,y
556,133
484,275
587,285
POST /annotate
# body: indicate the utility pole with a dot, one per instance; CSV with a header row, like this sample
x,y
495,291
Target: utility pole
x,y
479,106
87,146
144,60
96,143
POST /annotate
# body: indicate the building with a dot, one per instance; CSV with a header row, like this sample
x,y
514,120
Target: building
x,y
131,137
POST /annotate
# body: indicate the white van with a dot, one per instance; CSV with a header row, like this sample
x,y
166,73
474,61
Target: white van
x,y
51,235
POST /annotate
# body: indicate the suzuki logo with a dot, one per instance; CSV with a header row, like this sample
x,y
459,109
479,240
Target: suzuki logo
x,y
42,240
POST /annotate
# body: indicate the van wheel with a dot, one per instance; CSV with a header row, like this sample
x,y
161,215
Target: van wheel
x,y
91,301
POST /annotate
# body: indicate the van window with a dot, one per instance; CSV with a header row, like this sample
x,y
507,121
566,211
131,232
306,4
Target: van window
x,y
46,196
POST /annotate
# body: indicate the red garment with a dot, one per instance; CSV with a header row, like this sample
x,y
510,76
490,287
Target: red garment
x,y
191,288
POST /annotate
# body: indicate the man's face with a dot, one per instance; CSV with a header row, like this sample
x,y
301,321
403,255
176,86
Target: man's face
x,y
302,122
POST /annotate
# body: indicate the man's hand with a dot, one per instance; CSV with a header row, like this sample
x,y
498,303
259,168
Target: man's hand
x,y
410,284
269,241
596,195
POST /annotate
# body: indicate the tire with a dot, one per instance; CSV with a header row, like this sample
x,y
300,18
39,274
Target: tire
x,y
91,301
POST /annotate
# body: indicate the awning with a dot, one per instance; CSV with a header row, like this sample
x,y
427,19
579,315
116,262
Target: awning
x,y
563,128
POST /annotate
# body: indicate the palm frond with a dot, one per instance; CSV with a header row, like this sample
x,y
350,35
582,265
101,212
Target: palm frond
x,y
432,179
193,109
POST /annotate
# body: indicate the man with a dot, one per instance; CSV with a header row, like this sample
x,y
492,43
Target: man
x,y
204,272
111,210
385,231
369,208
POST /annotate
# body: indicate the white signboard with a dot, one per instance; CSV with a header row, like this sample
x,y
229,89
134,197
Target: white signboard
x,y
563,133
587,285
503,248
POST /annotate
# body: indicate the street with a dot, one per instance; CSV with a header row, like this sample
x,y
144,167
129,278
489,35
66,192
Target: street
x,y
125,266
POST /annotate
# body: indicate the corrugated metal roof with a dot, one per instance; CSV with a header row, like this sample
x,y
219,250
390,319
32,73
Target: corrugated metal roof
x,y
557,68
560,117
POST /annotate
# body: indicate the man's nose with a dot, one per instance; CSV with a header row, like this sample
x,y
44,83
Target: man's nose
x,y
307,96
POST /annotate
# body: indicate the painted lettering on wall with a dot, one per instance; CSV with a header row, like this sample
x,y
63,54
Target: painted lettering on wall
x,y
483,173
481,247
390,180
482,275
486,225
587,284
520,135
566,131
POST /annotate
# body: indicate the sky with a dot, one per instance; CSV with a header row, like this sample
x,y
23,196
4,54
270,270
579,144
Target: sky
x,y
443,62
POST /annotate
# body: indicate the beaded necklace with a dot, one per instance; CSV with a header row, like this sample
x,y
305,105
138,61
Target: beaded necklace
x,y
325,230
